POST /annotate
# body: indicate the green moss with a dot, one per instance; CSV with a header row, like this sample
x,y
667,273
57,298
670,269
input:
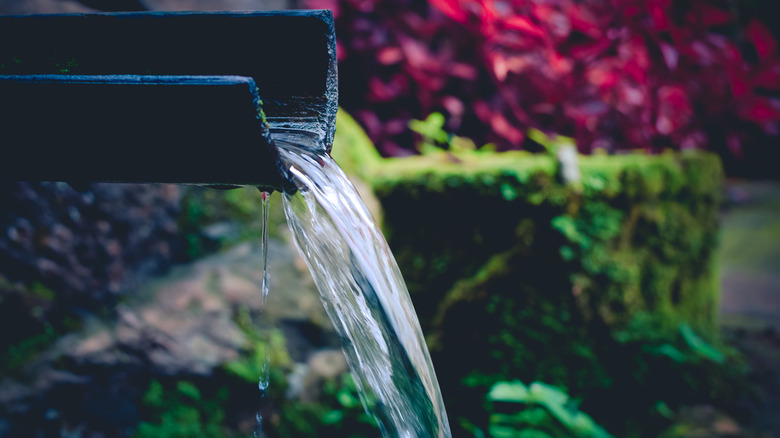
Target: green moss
x,y
236,211
352,149
584,286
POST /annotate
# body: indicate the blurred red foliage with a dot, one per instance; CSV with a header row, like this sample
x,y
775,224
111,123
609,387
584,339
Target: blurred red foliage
x,y
613,74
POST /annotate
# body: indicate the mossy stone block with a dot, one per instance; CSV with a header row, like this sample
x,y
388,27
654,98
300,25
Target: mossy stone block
x,y
516,274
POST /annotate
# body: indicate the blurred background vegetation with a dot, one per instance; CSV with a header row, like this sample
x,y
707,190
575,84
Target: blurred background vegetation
x,y
629,290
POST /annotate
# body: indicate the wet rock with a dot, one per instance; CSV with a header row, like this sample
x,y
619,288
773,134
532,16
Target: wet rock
x,y
296,382
307,380
328,364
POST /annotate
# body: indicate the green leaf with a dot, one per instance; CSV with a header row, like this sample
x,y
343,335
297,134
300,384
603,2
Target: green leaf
x,y
154,395
700,346
497,431
551,142
545,394
533,433
333,417
346,399
509,192
664,409
586,427
462,144
189,390
533,415
545,407
672,352
540,137
511,392
431,128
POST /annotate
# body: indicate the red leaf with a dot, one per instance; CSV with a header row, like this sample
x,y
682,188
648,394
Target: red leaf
x,y
503,128
415,52
734,144
559,64
590,50
739,83
463,71
709,16
674,109
583,21
499,124
543,13
660,21
601,75
500,68
762,39
382,91
452,9
760,110
631,11
341,52
523,24
390,55
768,77
740,86
670,55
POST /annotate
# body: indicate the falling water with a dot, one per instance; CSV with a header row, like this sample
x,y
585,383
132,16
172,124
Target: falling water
x,y
264,208
265,370
363,292
265,204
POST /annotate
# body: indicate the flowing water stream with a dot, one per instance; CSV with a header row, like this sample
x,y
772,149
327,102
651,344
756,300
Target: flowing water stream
x,y
363,293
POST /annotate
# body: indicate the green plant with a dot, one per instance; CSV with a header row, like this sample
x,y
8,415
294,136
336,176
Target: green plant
x,y
550,142
349,414
215,219
537,410
435,137
182,411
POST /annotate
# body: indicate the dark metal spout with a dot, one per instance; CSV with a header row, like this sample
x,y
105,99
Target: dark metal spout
x,y
162,97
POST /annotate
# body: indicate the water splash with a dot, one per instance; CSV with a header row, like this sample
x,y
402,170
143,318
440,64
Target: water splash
x,y
363,292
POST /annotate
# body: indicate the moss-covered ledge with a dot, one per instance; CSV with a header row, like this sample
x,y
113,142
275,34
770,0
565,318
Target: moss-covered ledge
x,y
606,287
637,233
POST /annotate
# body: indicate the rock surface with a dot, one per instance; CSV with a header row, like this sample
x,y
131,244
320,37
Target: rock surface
x,y
64,252
87,243
184,325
